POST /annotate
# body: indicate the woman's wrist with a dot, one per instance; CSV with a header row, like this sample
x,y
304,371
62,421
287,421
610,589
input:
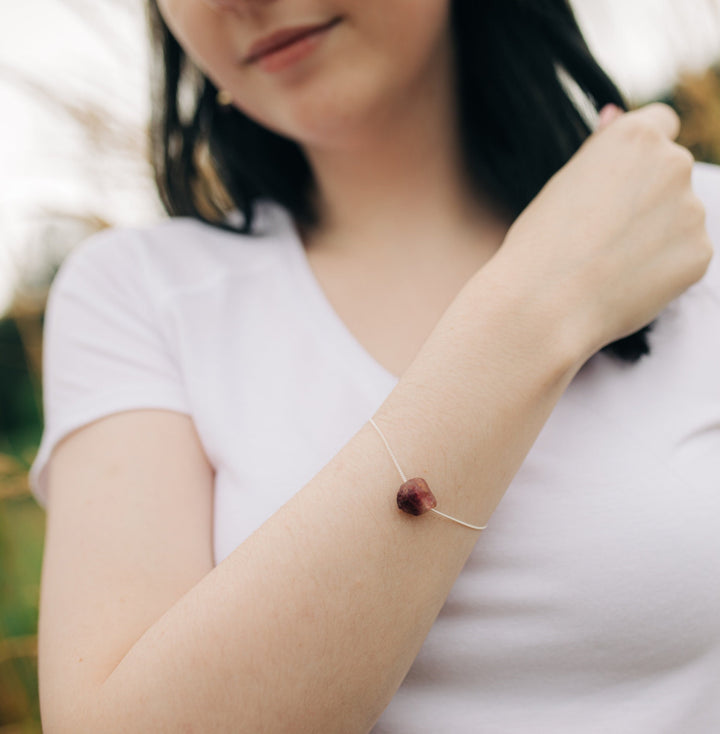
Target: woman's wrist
x,y
534,322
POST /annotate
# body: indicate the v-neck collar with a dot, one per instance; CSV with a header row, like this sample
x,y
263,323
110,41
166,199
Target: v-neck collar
x,y
322,313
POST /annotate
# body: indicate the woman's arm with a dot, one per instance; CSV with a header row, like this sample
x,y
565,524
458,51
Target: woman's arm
x,y
311,624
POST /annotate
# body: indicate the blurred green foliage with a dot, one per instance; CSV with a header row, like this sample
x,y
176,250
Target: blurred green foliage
x,y
22,522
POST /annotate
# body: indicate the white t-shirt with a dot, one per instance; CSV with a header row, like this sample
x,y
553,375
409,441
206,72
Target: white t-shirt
x,y
590,605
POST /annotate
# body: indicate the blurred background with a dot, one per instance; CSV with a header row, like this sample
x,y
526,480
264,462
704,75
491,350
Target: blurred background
x,y
74,91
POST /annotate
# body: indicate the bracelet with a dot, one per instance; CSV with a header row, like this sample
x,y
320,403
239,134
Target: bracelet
x,y
414,495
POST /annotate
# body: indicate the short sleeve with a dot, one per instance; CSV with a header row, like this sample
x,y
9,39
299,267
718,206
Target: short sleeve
x,y
103,345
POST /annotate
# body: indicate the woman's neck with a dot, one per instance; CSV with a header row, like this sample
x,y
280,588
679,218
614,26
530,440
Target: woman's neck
x,y
394,185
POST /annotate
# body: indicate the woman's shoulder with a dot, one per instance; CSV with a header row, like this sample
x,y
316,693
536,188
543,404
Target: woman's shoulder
x,y
706,185
181,252
706,172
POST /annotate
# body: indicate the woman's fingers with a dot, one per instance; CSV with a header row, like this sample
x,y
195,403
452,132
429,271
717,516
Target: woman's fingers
x,y
607,114
656,114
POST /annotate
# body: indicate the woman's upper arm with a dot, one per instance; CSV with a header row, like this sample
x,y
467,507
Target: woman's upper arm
x,y
129,531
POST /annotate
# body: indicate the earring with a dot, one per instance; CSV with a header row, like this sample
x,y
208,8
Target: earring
x,y
224,98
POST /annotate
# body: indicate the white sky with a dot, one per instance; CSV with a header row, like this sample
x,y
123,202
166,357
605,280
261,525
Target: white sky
x,y
101,57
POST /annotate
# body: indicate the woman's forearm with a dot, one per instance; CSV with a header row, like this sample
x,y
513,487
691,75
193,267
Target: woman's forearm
x,y
311,624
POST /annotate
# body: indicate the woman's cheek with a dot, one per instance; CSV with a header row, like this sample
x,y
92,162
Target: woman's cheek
x,y
200,30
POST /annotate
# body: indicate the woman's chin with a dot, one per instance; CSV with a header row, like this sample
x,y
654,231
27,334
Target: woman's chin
x,y
345,128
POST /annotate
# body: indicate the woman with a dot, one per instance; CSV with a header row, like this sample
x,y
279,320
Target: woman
x,y
418,227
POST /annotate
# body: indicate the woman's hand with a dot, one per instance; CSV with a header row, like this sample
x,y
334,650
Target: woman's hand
x,y
618,232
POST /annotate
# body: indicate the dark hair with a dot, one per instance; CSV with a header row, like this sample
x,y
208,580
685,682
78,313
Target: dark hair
x,y
524,73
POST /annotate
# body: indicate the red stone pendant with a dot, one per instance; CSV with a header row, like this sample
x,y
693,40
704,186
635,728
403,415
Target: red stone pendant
x,y
415,497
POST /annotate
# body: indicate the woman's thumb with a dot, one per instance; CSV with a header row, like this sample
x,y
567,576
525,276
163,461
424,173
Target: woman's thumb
x,y
607,114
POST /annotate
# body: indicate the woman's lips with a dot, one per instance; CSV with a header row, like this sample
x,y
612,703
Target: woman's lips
x,y
286,46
